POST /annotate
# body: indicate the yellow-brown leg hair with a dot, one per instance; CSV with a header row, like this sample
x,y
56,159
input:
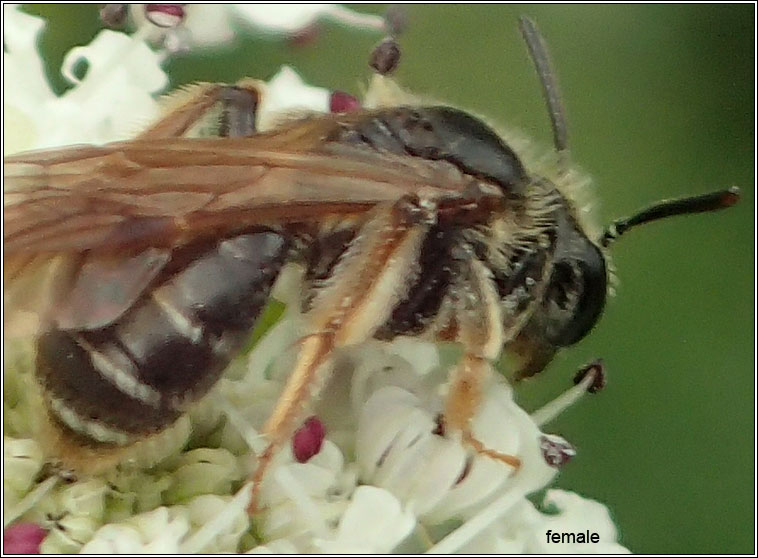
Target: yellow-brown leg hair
x,y
463,401
365,286
185,109
302,384
479,328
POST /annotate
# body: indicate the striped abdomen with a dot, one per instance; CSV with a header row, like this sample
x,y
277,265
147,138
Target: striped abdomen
x,y
135,377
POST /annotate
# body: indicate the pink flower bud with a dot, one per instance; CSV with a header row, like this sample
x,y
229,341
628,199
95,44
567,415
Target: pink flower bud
x,y
343,102
308,439
23,538
164,15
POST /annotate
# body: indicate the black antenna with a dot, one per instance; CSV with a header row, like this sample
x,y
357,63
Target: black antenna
x,y
550,90
696,204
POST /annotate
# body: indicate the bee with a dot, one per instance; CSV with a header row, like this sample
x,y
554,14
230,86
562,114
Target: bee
x,y
142,266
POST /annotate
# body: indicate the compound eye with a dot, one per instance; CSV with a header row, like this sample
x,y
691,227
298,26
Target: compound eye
x,y
575,296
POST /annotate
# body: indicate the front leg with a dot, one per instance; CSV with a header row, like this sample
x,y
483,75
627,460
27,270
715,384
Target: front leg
x,y
371,276
475,320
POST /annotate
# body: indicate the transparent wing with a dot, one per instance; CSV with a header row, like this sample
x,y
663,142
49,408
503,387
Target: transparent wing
x,y
169,192
86,229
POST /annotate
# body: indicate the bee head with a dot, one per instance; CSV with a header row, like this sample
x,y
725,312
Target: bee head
x,y
573,299
577,287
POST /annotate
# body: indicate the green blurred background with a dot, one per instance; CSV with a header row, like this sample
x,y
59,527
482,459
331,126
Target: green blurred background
x,y
660,102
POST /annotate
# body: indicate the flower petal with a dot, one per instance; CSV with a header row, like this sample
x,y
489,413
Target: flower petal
x,y
373,523
290,18
577,515
24,74
287,94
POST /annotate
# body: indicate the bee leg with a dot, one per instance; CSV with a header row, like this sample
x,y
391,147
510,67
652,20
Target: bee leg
x,y
479,324
222,110
371,276
463,400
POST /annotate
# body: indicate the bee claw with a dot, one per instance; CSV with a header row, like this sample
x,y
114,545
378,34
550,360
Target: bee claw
x,y
481,449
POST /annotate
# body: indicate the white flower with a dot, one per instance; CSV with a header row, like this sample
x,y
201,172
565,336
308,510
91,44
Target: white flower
x,y
291,18
393,392
526,530
201,471
304,497
24,459
218,523
576,515
374,523
287,93
115,95
156,532
176,529
397,447
386,477
209,25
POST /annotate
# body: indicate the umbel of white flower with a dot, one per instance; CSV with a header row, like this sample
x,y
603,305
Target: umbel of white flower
x,y
383,480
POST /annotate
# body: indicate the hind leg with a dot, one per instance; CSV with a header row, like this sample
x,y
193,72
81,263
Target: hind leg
x,y
208,109
366,284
